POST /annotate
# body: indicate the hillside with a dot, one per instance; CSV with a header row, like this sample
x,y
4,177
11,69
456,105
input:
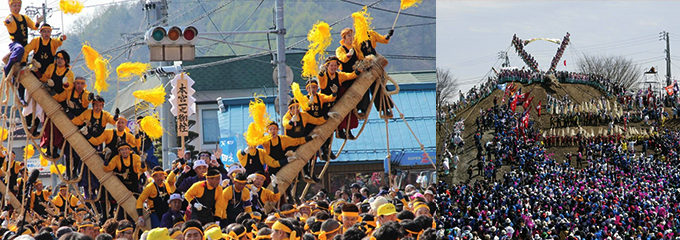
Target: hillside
x,y
578,93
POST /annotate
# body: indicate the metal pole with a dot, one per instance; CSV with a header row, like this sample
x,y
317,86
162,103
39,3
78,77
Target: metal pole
x,y
668,60
158,11
281,60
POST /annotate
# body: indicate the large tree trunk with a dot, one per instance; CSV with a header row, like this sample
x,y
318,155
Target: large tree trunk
x,y
84,149
344,106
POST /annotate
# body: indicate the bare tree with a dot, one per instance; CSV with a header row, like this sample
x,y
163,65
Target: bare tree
x,y
446,86
616,68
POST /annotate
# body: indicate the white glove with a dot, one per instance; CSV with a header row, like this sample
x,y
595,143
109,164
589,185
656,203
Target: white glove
x,y
225,183
294,118
83,131
314,136
141,221
198,206
253,190
275,181
251,177
351,51
333,114
50,83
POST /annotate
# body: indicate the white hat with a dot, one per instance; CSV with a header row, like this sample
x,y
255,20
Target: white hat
x,y
198,163
175,196
429,192
235,167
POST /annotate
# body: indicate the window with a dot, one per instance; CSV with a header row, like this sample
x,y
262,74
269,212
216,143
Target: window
x,y
211,126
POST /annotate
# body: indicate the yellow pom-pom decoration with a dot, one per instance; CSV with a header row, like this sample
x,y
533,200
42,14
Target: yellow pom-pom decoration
x,y
127,70
255,135
152,127
301,98
90,56
71,6
58,169
155,96
101,73
409,3
319,38
43,160
362,25
28,151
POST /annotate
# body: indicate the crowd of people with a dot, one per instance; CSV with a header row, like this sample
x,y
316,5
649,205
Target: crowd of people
x,y
617,185
560,52
526,57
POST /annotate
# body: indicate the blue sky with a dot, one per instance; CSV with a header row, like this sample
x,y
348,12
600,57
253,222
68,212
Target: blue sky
x,y
471,33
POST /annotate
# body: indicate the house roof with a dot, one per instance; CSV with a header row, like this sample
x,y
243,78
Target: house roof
x,y
415,100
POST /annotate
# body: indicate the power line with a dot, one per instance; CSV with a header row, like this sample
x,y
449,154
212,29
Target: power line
x,y
392,11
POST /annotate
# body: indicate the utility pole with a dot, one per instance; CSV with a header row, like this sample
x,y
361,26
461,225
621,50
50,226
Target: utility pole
x,y
503,55
281,60
157,15
664,36
34,12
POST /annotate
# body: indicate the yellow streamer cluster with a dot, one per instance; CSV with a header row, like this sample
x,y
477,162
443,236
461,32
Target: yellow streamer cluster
x,y
362,25
43,160
99,65
152,126
301,98
70,6
409,3
4,134
319,38
155,96
53,169
255,134
127,70
28,151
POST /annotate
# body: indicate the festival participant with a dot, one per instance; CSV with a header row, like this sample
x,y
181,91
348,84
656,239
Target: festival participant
x,y
87,228
278,145
237,198
125,230
329,229
205,199
184,181
253,159
386,213
261,195
146,146
17,26
14,168
284,229
330,79
65,202
58,75
319,107
40,198
368,48
349,216
175,215
300,124
127,167
156,194
112,137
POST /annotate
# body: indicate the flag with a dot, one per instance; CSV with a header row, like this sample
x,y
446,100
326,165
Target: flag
x,y
525,119
675,87
538,108
528,102
522,97
669,90
513,104
565,63
501,86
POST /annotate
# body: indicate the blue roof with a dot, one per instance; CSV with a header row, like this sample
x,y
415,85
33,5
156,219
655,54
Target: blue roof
x,y
415,100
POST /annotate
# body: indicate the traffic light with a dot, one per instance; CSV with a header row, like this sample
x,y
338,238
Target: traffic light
x,y
171,43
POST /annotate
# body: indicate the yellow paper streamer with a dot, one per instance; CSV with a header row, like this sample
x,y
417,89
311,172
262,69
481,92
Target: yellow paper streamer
x,y
43,160
301,98
362,25
152,126
155,96
255,135
53,168
101,73
409,3
70,6
90,55
319,38
28,151
127,70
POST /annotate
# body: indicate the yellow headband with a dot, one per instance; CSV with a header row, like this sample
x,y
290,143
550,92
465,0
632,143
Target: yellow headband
x,y
158,172
350,214
44,26
80,80
280,226
311,83
293,104
414,233
192,228
13,1
211,226
263,237
240,181
86,225
370,223
175,234
123,230
232,235
320,220
257,174
288,211
322,233
421,206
